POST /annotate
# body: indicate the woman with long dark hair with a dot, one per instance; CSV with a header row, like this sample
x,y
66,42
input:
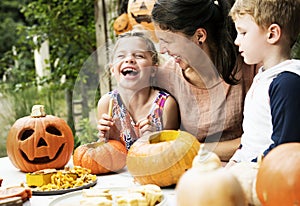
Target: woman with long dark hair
x,y
203,70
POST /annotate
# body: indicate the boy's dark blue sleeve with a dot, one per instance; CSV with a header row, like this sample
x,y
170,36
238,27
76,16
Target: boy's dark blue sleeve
x,y
284,95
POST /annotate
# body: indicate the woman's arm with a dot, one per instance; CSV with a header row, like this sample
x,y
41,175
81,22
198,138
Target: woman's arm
x,y
224,149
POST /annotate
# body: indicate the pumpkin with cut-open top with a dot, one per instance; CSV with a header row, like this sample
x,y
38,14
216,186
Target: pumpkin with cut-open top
x,y
162,157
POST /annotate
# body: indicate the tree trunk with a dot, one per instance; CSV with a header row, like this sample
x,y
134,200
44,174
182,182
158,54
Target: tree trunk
x,y
69,101
102,50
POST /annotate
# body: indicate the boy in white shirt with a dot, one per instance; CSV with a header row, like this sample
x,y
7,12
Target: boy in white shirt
x,y
266,32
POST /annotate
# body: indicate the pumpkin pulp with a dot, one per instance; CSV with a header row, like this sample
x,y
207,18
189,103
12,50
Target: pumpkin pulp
x,y
163,137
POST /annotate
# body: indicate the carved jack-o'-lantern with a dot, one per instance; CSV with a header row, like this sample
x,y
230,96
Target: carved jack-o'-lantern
x,y
122,24
139,12
39,141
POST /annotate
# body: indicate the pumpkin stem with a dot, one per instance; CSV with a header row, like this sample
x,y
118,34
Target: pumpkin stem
x,y
38,111
206,160
259,160
102,139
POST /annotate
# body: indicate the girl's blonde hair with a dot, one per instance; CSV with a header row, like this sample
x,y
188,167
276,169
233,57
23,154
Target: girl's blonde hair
x,y
285,13
150,45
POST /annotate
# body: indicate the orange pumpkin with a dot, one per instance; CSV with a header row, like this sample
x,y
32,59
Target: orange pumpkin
x,y
139,12
278,177
101,157
162,157
39,141
122,24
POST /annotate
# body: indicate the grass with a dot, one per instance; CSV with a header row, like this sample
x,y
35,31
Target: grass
x,y
6,120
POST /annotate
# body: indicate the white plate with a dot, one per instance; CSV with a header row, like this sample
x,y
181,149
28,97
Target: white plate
x,y
63,191
73,198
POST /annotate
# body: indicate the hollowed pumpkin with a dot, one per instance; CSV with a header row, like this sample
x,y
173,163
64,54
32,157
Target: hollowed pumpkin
x,y
101,157
162,157
278,177
39,141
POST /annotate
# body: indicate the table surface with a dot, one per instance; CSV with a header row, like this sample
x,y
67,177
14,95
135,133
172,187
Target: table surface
x,y
12,177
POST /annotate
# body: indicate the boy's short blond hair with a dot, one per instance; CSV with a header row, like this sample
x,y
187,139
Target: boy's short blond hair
x,y
285,13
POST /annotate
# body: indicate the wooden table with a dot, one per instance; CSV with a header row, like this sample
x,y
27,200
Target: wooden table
x,y
12,176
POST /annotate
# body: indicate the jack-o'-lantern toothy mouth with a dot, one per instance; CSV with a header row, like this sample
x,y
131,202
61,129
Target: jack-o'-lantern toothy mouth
x,y
142,18
42,160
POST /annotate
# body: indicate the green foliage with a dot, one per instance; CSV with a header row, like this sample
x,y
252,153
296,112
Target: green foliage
x,y
69,27
21,102
10,19
296,49
18,104
7,118
88,133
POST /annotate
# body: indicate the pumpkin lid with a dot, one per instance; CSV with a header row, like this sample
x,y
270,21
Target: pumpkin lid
x,y
38,111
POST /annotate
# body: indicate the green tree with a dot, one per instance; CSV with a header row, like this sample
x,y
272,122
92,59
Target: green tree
x,y
69,27
10,19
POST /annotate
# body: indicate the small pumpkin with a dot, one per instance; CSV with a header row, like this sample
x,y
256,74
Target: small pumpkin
x,y
139,12
278,177
122,24
216,187
101,157
39,141
162,157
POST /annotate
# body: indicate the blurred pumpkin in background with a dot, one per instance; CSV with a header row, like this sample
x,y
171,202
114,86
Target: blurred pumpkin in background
x,y
138,17
39,141
122,24
139,12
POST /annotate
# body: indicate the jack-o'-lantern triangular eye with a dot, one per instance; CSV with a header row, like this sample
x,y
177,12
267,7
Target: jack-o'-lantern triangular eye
x,y
53,130
26,134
